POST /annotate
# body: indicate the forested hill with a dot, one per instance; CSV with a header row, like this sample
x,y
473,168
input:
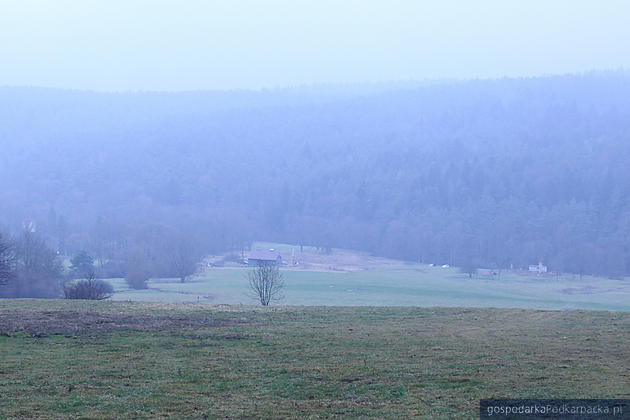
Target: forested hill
x,y
490,173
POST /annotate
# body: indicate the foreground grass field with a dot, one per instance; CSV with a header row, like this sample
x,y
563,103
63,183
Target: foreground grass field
x,y
65,359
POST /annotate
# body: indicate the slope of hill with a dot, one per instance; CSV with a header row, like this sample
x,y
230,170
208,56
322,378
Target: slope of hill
x,y
493,173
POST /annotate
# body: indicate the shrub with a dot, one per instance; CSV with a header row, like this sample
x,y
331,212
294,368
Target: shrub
x,y
137,279
90,288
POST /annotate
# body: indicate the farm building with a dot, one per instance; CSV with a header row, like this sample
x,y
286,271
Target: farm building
x,y
264,256
539,268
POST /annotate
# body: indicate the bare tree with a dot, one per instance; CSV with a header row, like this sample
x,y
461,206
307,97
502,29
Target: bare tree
x,y
183,259
7,261
38,270
266,283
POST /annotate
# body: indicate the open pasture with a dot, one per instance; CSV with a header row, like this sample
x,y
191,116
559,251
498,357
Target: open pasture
x,y
104,360
402,285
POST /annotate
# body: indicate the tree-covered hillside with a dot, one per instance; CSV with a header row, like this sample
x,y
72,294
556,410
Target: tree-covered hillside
x,y
491,173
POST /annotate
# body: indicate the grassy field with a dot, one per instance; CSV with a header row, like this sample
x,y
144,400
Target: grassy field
x,y
76,359
353,278
403,285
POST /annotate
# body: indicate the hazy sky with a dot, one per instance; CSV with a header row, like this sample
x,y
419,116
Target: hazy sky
x,y
194,44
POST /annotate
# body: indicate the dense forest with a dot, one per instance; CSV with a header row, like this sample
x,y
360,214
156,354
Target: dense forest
x,y
495,173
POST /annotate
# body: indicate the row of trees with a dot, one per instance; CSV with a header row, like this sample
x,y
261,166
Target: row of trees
x,y
29,267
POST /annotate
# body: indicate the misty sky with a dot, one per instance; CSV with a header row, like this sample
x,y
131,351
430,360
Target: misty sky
x,y
193,44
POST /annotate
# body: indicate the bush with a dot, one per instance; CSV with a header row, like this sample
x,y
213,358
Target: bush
x,y
137,280
90,288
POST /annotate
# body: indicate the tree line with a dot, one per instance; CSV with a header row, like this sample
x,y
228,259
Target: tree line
x,y
495,173
30,268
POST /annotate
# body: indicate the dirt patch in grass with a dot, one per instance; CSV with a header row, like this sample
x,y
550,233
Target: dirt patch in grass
x,y
42,324
580,290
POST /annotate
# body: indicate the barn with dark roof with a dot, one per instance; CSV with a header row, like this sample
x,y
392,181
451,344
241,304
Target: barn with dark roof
x,y
264,256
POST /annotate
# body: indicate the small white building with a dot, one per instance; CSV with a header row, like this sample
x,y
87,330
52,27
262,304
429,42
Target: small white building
x,y
540,268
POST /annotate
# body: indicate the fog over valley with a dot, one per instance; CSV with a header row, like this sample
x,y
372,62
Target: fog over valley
x,y
314,209
495,173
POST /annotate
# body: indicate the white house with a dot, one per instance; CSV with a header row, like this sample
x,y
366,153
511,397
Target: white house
x,y
540,268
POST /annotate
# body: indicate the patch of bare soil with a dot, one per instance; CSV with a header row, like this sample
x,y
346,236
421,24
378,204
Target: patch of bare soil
x,y
310,259
340,260
579,290
589,290
72,323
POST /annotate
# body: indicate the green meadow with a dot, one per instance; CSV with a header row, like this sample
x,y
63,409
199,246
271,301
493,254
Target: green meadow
x,y
133,360
395,285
